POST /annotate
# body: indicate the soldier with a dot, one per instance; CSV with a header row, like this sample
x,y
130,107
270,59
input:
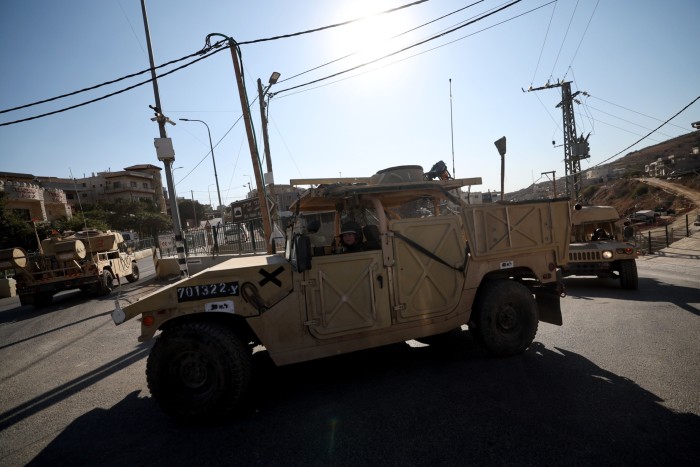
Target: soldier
x,y
351,237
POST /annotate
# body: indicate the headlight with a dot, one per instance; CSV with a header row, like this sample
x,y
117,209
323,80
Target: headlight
x,y
607,254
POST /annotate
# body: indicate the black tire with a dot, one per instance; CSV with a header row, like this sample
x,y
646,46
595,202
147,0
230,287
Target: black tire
x,y
42,299
198,371
26,300
504,319
629,279
106,282
134,276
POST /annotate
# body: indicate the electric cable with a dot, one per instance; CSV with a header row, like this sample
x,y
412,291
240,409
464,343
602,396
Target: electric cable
x,y
582,37
551,74
537,67
419,53
90,88
97,99
648,134
634,111
393,37
437,36
322,28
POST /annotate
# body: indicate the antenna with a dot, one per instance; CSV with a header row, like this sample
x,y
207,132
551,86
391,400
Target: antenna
x,y
452,133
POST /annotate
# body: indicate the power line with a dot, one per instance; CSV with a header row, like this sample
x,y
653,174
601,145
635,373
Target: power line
x,y
322,28
422,52
113,93
551,74
650,133
437,36
532,81
583,36
393,37
147,70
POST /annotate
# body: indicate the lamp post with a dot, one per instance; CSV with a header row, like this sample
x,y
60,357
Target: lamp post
x,y
208,191
216,176
250,181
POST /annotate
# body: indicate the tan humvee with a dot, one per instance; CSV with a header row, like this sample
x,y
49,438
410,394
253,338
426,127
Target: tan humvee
x,y
494,267
605,255
88,260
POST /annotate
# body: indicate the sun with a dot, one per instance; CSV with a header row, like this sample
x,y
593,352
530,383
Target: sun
x,y
372,36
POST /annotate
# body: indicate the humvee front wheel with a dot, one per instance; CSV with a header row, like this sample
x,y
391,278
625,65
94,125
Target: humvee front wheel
x,y
134,276
107,282
198,371
504,318
628,274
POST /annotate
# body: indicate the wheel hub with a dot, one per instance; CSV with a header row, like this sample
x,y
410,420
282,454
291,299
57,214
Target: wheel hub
x,y
507,318
192,370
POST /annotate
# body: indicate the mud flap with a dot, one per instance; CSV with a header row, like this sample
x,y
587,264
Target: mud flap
x,y
549,308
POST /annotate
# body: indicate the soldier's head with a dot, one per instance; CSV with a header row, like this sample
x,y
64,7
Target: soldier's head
x,y
350,233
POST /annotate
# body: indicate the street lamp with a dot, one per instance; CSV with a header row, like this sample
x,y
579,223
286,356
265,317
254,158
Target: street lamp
x,y
250,180
208,191
174,169
216,177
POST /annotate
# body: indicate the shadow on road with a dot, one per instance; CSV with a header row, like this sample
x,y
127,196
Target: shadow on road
x,y
650,290
443,404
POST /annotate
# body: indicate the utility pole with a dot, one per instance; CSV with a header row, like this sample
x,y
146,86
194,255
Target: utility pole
x,y
575,148
194,209
554,181
165,151
266,146
245,108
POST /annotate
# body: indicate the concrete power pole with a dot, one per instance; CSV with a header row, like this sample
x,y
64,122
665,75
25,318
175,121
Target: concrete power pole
x,y
165,152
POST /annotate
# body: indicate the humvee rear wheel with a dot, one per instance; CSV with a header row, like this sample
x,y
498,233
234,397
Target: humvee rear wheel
x,y
198,371
42,299
628,274
26,299
504,317
107,282
134,276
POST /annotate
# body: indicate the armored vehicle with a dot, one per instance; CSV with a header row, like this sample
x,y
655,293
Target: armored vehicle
x,y
597,247
427,264
88,260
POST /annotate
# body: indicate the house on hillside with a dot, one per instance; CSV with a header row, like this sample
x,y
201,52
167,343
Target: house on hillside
x,y
672,165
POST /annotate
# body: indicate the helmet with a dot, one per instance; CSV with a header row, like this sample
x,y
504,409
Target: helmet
x,y
351,227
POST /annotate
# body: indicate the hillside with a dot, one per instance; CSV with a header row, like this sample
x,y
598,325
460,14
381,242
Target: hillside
x,y
628,194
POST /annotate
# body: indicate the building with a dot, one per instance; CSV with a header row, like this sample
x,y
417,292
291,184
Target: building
x,y
674,165
29,200
44,198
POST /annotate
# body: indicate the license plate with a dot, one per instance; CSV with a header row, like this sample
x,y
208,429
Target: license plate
x,y
201,292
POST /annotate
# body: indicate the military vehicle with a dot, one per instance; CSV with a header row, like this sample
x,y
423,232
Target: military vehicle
x,y
494,267
606,254
88,260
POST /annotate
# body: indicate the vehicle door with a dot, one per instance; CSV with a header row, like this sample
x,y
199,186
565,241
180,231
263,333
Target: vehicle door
x,y
425,286
346,294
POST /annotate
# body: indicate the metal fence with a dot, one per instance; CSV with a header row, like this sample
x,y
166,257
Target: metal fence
x,y
658,239
224,238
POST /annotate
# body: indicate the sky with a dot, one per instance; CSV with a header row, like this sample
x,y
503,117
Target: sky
x,y
446,99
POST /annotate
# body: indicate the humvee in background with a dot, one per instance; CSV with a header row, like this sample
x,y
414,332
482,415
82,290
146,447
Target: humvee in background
x,y
606,254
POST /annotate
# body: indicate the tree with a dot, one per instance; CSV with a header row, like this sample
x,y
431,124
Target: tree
x,y
14,231
189,210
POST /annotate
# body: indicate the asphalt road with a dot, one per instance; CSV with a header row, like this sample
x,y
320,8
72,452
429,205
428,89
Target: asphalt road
x,y
617,384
